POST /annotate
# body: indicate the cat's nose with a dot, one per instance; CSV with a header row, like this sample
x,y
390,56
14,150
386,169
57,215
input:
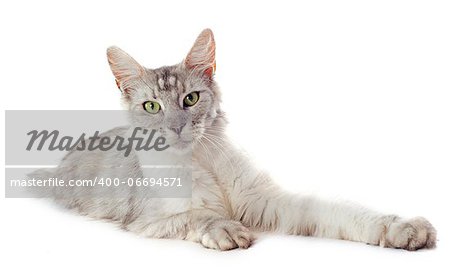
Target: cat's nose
x,y
178,130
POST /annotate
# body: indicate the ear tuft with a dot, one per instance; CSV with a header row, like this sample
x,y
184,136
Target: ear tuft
x,y
202,56
124,67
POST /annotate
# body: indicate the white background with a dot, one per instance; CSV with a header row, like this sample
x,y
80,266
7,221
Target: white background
x,y
347,99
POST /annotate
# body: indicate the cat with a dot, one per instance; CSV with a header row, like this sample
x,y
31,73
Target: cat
x,y
231,199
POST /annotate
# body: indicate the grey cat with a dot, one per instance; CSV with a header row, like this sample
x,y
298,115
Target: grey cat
x,y
231,199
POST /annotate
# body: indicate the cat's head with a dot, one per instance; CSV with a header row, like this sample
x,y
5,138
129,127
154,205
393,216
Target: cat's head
x,y
181,101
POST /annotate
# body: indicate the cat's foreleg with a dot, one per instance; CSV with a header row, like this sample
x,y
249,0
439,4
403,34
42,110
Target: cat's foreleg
x,y
267,208
203,226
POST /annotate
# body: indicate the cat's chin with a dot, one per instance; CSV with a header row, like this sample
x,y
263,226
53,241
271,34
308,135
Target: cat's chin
x,y
180,147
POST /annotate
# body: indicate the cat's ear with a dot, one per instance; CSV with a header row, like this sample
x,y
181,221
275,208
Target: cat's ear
x,y
202,56
124,67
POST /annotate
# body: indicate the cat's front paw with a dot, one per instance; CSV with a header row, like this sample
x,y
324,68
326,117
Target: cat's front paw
x,y
227,235
412,234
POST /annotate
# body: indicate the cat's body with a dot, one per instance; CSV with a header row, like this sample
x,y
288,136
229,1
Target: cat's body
x,y
230,197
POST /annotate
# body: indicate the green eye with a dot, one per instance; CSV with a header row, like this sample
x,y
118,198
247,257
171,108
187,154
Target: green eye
x,y
191,99
152,107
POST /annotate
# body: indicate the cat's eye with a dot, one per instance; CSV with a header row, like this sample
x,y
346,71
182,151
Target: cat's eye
x,y
152,107
191,99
